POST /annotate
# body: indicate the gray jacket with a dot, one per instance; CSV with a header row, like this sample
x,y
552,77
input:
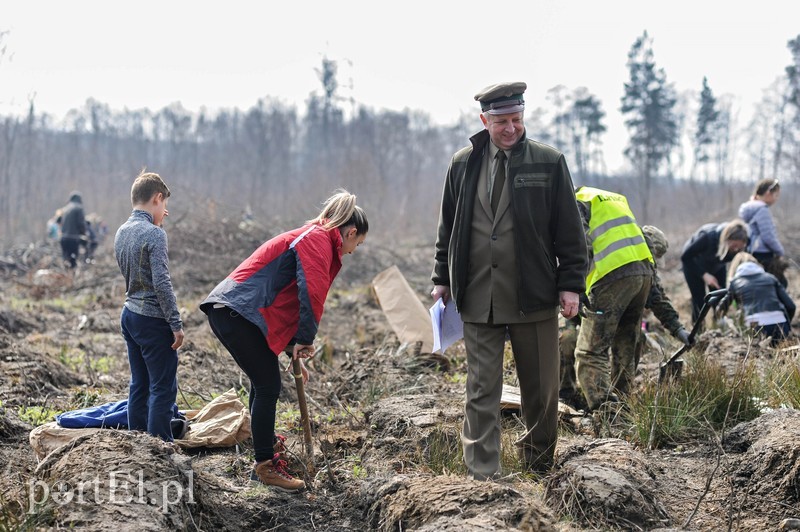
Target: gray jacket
x,y
763,235
758,291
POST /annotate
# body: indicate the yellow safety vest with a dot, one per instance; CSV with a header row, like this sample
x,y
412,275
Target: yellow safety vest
x,y
616,238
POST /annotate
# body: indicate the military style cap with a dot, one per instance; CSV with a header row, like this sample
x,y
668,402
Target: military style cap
x,y
502,98
658,240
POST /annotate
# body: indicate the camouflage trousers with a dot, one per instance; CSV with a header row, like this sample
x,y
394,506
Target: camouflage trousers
x,y
616,324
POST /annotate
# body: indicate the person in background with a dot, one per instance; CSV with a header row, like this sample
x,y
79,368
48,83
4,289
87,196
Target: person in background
x,y
705,255
509,250
150,322
73,228
275,299
657,300
617,287
764,302
90,241
764,243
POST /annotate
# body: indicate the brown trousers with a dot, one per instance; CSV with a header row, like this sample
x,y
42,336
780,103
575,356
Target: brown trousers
x,y
535,348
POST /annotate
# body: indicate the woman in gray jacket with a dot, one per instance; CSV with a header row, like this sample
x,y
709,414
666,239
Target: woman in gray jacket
x,y
764,243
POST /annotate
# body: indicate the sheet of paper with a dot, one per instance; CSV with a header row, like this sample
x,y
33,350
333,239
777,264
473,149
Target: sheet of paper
x,y
447,325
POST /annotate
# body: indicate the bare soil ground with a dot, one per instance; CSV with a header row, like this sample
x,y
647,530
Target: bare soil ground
x,y
383,419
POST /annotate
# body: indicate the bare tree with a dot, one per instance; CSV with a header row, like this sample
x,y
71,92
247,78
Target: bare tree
x,y
793,102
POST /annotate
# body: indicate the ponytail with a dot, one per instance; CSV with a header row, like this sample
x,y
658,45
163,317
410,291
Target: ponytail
x,y
766,185
340,210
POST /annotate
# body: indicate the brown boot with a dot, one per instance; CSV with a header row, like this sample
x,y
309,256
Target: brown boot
x,y
278,449
273,473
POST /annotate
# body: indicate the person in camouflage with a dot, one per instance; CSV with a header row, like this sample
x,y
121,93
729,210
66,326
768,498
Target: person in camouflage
x,y
617,288
568,391
657,301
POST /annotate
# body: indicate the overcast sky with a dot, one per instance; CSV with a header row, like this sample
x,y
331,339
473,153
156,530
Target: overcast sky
x,y
431,55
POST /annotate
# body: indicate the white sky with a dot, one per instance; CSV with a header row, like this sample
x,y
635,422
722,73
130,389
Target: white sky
x,y
431,55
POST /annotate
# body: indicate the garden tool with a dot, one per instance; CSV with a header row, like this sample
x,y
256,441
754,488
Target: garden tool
x,y
673,366
301,399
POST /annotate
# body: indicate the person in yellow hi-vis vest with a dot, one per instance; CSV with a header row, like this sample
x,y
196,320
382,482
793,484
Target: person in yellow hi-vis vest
x,y
617,286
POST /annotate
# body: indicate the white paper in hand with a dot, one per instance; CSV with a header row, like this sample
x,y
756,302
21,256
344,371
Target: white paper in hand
x,y
447,325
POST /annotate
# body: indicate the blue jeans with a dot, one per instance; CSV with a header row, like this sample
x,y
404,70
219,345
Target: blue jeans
x,y
778,331
154,373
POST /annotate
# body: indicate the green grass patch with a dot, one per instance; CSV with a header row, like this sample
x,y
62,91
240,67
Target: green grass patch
x,y
37,415
84,398
703,401
287,418
456,378
782,383
442,452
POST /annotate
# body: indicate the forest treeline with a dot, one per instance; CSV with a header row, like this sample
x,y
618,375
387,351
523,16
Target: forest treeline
x,y
274,161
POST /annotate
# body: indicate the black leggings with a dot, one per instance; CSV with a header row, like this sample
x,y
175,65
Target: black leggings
x,y
248,347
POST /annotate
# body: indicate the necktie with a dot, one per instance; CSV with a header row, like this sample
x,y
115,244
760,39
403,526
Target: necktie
x,y
499,179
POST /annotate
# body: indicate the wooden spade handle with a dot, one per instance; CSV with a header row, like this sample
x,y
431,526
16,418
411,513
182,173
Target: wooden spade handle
x,y
301,399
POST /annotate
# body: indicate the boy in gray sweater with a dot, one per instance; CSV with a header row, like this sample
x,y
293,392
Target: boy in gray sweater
x,y
150,321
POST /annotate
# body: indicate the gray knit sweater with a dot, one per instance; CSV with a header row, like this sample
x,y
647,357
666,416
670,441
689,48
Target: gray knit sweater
x,y
141,251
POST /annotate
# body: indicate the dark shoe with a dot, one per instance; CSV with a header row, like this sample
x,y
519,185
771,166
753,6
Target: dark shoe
x,y
273,473
608,404
573,398
179,428
535,460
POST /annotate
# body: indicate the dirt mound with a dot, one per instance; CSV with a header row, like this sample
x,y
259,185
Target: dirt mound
x,y
400,415
606,481
30,377
10,427
119,480
16,323
767,465
452,503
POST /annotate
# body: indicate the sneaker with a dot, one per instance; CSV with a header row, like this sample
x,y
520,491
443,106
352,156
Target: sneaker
x,y
273,473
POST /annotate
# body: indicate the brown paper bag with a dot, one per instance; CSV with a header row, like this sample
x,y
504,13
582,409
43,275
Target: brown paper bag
x,y
409,319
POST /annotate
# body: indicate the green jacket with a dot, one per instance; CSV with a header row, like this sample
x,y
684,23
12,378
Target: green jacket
x,y
659,302
549,239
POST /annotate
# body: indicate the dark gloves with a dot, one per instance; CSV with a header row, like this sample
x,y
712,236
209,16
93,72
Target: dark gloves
x,y
683,336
